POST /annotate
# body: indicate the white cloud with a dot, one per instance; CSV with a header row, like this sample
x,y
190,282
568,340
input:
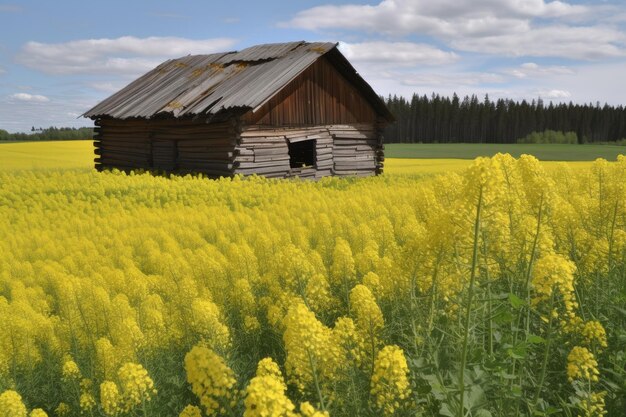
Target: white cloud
x,y
126,55
435,17
584,43
34,98
107,86
511,27
532,70
590,83
554,94
449,79
19,116
396,53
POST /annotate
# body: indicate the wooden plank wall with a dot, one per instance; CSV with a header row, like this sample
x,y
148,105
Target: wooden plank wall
x,y
182,146
357,149
340,150
318,96
265,151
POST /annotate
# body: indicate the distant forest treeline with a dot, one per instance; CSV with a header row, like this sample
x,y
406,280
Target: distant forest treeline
x,y
50,133
444,119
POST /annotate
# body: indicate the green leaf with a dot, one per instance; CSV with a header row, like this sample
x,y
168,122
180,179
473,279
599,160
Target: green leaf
x,y
515,301
534,339
437,389
504,317
482,413
518,351
621,310
444,410
553,410
474,397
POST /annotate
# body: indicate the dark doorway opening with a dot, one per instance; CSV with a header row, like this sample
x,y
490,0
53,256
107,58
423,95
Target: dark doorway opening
x,y
302,153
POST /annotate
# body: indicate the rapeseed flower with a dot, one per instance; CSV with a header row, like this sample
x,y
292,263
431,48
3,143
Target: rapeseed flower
x,y
110,398
211,379
582,364
136,385
191,411
11,405
265,394
390,387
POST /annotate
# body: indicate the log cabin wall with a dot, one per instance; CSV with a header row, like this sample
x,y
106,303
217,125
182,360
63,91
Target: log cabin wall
x,y
170,145
227,148
266,151
351,149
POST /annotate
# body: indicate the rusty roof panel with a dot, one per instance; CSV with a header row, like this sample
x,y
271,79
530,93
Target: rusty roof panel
x,y
208,84
262,52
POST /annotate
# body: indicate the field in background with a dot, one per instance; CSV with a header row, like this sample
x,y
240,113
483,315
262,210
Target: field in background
x,y
544,152
401,158
53,154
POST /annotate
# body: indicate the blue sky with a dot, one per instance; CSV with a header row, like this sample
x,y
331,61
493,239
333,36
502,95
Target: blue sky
x,y
59,58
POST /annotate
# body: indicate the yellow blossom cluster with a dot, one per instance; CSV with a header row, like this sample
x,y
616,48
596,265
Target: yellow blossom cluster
x,y
594,334
554,272
86,401
211,379
312,357
110,398
367,314
265,394
582,364
191,411
70,371
593,405
390,382
63,409
136,385
11,405
368,319
307,410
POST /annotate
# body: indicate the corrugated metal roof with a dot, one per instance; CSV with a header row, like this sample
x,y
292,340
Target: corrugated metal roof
x,y
208,84
263,52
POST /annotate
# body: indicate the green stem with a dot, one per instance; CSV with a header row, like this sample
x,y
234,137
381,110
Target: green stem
x,y
611,236
316,380
489,303
528,274
544,364
433,296
372,346
468,311
530,263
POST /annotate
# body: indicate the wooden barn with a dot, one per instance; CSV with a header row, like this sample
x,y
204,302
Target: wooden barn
x,y
279,110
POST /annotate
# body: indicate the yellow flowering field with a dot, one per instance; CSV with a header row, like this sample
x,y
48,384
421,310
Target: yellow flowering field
x,y
496,290
45,155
